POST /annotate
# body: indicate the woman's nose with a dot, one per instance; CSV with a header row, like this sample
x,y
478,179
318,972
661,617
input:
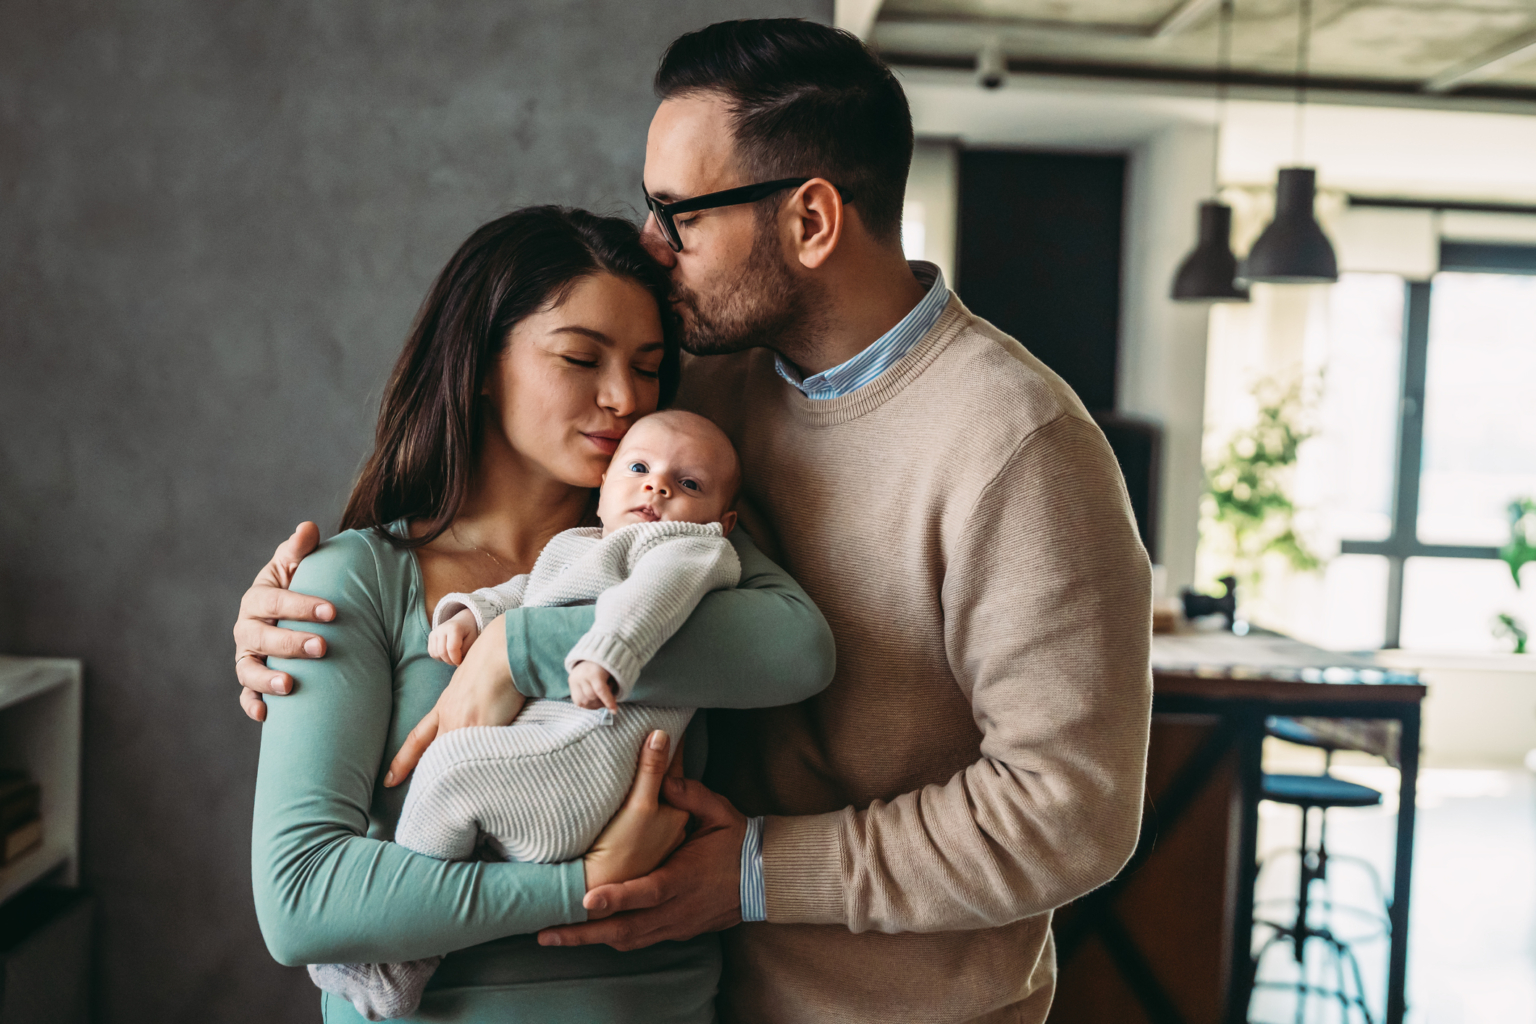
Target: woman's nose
x,y
617,392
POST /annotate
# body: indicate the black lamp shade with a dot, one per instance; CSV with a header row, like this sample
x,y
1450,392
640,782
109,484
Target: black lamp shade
x,y
1208,273
1293,249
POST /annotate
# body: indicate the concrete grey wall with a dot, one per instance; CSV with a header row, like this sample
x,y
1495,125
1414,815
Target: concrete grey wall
x,y
216,220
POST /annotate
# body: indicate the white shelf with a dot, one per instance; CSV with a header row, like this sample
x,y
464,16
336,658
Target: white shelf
x,y
21,678
40,701
45,858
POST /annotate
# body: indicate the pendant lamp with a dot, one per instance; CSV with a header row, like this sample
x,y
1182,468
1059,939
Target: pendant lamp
x,y
1208,274
1293,248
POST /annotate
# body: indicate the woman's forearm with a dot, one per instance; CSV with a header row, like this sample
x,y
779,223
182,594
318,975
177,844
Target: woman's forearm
x,y
325,891
761,644
350,899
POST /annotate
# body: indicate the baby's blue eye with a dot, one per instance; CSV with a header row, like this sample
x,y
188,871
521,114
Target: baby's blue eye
x,y
637,467
692,485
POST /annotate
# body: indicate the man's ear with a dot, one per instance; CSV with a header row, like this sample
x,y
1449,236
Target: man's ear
x,y
817,221
728,523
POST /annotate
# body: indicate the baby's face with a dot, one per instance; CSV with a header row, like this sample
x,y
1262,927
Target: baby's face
x,y
671,467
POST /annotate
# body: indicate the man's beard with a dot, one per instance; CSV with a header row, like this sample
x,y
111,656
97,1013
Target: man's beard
x,y
764,307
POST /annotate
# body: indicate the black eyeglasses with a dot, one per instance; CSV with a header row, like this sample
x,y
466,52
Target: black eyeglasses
x,y
664,212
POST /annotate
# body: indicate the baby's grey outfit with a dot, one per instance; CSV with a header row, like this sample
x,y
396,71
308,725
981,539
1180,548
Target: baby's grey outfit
x,y
542,788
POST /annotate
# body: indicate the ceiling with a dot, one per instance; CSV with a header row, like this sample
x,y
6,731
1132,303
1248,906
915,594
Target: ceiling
x,y
1432,47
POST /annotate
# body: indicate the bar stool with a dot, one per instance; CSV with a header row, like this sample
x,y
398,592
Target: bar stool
x,y
1320,792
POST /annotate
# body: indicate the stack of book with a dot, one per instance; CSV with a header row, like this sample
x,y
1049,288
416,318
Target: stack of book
x,y
21,824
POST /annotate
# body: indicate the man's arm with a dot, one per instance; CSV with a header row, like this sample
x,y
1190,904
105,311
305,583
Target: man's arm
x,y
1047,621
257,634
1047,602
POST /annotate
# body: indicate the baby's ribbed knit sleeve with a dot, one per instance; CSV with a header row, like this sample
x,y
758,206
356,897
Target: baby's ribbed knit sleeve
x,y
485,604
634,618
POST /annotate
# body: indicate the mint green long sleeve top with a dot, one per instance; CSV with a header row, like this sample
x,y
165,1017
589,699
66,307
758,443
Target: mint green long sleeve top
x,y
329,885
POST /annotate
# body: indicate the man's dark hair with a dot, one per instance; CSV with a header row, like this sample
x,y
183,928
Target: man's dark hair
x,y
806,100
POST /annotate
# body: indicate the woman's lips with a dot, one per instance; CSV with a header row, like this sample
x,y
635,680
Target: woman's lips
x,y
605,441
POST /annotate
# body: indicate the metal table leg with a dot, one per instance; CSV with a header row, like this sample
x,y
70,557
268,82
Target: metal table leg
x,y
1249,720
1402,874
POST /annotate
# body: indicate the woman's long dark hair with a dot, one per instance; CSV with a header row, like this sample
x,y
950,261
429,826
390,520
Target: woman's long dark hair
x,y
431,420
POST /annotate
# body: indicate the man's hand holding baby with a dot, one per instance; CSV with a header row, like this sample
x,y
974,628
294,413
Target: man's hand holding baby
x,y
592,687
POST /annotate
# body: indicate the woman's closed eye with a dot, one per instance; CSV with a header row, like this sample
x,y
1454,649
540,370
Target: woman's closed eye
x,y
578,360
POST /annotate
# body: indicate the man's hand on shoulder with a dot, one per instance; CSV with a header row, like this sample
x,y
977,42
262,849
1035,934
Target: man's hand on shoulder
x,y
696,890
257,636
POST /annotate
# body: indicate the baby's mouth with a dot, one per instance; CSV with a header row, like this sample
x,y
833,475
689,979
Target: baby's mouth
x,y
645,512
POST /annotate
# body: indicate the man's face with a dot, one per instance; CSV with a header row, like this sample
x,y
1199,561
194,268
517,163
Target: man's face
x,y
732,284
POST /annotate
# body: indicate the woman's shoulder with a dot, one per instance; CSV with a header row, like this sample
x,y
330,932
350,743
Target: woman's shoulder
x,y
356,567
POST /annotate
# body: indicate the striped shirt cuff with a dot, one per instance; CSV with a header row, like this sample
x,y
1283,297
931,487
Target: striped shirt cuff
x,y
754,897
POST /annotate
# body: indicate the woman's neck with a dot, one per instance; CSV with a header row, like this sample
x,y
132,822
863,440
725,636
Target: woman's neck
x,y
514,507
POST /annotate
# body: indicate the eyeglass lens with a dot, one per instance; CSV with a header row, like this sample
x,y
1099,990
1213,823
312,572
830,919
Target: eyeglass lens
x,y
664,221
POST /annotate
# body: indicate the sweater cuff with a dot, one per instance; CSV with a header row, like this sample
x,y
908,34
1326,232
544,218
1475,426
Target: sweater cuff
x,y
613,654
803,869
452,604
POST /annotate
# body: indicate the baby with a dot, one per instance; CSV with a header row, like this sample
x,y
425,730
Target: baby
x,y
542,788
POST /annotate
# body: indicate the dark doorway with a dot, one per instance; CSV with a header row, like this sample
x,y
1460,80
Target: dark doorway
x,y
1039,256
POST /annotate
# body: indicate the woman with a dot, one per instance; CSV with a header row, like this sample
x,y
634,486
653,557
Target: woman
x,y
546,336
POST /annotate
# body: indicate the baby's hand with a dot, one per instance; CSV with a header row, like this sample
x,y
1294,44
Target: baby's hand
x,y
450,641
592,687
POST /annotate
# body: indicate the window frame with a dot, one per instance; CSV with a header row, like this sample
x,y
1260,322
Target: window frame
x,y
1403,542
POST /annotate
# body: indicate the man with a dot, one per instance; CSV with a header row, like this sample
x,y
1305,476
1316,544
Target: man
x,y
947,502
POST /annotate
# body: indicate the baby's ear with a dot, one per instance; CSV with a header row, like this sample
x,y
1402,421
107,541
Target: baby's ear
x,y
602,479
728,522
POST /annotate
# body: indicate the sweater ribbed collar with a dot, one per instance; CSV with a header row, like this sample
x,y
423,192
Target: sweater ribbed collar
x,y
826,412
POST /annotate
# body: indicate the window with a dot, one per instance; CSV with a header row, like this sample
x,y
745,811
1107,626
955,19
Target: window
x,y
1463,443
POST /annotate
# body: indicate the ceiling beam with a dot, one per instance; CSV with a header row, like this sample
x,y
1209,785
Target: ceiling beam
x,y
1244,84
982,24
1486,64
1184,17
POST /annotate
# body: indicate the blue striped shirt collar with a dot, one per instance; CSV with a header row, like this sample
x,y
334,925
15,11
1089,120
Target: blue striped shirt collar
x,y
862,369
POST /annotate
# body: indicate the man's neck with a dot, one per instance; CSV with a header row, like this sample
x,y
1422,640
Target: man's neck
x,y
865,298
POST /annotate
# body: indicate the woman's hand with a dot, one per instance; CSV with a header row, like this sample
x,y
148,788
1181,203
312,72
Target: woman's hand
x,y
480,693
644,831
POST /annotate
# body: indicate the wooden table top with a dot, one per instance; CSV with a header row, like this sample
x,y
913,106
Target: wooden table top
x,y
1268,666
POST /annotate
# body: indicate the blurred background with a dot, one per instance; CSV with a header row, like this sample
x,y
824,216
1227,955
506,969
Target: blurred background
x,y
217,219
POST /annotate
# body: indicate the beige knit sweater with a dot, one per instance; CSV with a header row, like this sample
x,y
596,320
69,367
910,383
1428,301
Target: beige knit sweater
x,y
978,759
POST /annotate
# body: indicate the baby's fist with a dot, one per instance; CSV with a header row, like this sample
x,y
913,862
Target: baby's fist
x,y
450,641
592,687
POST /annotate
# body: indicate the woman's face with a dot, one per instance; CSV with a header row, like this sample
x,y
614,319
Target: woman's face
x,y
573,378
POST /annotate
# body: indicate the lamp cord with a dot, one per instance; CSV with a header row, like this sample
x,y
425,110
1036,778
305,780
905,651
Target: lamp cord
x,y
1303,53
1223,70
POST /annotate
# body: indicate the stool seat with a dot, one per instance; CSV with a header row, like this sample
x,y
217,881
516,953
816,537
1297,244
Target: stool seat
x,y
1292,731
1318,791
